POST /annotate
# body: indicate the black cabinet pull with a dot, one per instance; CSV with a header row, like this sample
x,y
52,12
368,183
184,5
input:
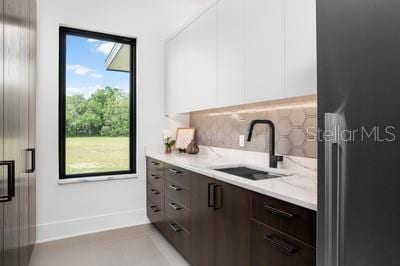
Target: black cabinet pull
x,y
175,206
10,181
211,195
174,187
155,177
155,163
288,248
279,212
33,160
175,228
218,203
154,191
154,208
174,171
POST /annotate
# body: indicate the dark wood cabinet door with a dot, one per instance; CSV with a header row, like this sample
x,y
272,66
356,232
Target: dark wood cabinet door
x,y
2,178
17,97
271,247
232,225
290,219
13,31
202,221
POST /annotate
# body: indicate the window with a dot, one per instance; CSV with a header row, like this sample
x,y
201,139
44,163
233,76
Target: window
x,y
97,105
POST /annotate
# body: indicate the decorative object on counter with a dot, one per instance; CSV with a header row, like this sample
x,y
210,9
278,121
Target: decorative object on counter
x,y
168,141
192,148
183,137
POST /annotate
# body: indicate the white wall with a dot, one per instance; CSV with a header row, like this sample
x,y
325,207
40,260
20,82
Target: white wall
x,y
66,210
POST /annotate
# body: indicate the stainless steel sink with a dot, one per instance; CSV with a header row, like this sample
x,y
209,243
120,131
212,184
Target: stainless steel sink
x,y
249,173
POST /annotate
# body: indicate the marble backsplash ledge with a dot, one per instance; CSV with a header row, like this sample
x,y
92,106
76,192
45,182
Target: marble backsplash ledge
x,y
295,121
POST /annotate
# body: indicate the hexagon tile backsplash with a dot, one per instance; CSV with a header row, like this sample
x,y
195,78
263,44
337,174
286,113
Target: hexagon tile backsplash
x,y
295,124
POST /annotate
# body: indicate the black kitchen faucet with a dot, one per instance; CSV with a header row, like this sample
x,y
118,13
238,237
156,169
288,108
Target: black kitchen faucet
x,y
273,159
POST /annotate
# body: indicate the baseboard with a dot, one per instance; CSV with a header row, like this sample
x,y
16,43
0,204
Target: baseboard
x,y
91,224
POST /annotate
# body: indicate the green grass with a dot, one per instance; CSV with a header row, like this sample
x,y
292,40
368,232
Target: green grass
x,y
96,154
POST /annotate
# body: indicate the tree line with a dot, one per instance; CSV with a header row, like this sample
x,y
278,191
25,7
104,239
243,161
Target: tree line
x,y
104,113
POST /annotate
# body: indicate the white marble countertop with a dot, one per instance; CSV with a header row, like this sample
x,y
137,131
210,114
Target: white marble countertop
x,y
299,188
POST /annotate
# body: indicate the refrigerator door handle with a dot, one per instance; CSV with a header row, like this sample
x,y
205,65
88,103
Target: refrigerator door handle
x,y
32,168
333,189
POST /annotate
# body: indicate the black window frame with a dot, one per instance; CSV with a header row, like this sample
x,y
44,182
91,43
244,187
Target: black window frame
x,y
63,33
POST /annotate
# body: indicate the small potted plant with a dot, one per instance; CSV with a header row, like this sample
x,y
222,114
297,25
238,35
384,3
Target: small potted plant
x,y
168,141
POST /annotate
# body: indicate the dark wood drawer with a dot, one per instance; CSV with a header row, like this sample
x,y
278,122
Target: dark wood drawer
x,y
155,167
178,175
178,237
272,248
293,220
155,215
177,212
177,192
157,181
155,195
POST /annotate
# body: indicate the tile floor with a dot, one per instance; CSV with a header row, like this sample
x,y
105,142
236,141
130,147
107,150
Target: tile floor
x,y
138,245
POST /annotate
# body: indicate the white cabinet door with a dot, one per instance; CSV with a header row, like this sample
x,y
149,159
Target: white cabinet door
x,y
230,52
201,70
301,55
176,70
264,50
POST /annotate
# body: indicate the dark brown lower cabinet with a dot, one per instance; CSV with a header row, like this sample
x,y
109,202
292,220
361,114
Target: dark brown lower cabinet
x,y
156,215
220,223
202,221
212,223
178,236
270,247
232,225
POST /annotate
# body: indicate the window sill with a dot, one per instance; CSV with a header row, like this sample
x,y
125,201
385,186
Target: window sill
x,y
68,181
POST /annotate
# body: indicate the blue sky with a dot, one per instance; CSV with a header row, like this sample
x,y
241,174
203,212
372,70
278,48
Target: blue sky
x,y
86,68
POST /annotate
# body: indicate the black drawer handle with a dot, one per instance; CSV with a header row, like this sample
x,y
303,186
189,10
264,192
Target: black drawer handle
x,y
154,208
33,160
175,206
174,171
279,212
218,197
155,177
211,195
175,228
176,188
10,181
288,248
154,191
155,163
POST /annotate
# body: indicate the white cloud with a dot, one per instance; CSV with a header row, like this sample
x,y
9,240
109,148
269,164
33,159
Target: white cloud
x,y
80,70
96,75
85,91
92,40
74,91
84,71
105,47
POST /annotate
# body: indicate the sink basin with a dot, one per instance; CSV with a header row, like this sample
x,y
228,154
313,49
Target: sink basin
x,y
249,173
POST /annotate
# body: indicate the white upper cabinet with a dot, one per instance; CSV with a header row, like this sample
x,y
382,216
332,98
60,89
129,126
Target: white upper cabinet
x,y
176,79
230,52
264,50
301,52
191,60
202,62
242,51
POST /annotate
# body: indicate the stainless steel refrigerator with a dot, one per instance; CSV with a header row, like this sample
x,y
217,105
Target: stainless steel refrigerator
x,y
358,43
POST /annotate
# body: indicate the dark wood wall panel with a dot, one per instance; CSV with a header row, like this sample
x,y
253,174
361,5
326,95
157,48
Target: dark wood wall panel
x,y
17,123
